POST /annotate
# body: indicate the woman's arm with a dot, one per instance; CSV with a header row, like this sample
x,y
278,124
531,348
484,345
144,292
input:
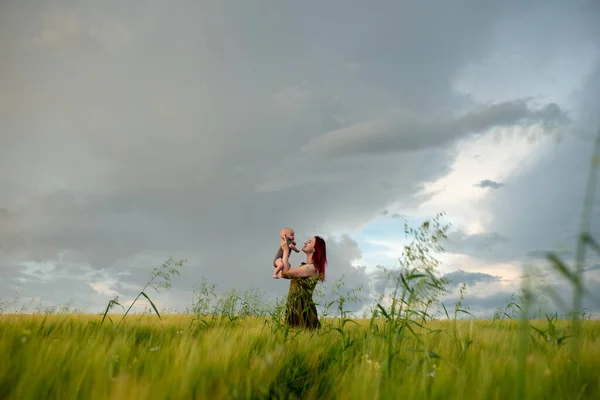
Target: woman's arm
x,y
299,272
303,271
286,259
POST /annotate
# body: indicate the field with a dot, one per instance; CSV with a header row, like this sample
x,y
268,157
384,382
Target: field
x,y
180,357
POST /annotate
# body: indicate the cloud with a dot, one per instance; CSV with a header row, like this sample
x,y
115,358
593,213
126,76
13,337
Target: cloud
x,y
480,306
404,131
540,253
541,208
483,298
594,268
469,278
488,184
69,30
490,246
103,289
62,27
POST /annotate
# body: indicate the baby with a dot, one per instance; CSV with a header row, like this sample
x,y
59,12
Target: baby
x,y
278,262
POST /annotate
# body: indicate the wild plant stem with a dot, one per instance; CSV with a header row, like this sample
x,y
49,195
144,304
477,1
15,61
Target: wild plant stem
x,y
138,296
523,337
584,231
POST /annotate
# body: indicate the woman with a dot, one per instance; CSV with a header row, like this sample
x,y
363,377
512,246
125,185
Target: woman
x,y
300,308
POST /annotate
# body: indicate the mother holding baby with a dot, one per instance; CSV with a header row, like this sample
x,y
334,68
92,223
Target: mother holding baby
x,y
300,308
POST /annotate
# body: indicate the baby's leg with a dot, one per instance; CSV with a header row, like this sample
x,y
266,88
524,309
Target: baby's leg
x,y
278,267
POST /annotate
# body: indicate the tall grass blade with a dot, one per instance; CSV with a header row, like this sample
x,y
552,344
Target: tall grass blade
x,y
152,304
560,266
109,306
589,240
586,220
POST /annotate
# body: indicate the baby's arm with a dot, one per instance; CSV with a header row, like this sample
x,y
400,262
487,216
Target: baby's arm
x,y
293,247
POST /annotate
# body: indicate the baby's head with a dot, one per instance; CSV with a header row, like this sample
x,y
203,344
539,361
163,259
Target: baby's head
x,y
287,232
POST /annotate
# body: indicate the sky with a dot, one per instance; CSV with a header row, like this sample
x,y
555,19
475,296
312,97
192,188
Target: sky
x,y
134,132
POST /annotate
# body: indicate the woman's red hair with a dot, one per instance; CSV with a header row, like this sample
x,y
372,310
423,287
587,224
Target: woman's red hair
x,y
319,257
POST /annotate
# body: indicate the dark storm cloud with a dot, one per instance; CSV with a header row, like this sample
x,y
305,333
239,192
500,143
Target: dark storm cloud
x,y
489,184
490,246
459,277
403,131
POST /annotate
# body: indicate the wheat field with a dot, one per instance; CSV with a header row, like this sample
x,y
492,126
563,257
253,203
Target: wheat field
x,y
183,357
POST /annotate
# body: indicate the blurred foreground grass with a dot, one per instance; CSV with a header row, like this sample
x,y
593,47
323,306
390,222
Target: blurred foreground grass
x,y
72,357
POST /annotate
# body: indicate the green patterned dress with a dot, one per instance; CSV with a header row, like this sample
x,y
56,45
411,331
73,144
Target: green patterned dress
x,y
300,308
